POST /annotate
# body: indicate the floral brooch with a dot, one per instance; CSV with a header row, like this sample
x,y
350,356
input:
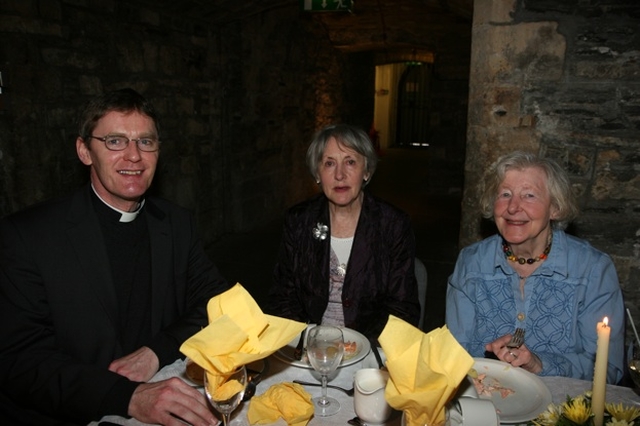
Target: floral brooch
x,y
320,231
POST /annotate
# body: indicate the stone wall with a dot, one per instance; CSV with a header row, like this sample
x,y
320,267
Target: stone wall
x,y
54,55
563,80
238,102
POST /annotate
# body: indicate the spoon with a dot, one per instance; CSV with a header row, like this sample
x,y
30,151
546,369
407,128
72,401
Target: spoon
x,y
251,387
347,391
254,380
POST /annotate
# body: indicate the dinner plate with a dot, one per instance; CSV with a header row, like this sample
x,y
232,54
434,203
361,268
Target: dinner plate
x,y
363,347
530,396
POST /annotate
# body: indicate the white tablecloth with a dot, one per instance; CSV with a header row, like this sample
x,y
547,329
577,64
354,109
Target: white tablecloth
x,y
280,372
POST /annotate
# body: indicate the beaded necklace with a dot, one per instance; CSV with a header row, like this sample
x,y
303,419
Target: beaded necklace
x,y
521,260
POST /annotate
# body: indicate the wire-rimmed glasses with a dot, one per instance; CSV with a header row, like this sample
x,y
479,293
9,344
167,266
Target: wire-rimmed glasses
x,y
120,143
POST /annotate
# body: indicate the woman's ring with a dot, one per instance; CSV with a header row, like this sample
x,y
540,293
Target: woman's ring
x,y
513,355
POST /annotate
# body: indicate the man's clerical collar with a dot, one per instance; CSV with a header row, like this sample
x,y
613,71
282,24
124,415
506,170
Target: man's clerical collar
x,y
125,216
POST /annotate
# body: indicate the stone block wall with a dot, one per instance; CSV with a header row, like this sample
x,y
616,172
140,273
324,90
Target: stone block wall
x,y
55,54
238,102
563,80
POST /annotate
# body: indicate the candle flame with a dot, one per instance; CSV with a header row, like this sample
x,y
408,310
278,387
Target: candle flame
x,y
606,321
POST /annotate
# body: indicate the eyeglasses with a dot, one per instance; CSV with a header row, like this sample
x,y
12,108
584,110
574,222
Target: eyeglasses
x,y
120,143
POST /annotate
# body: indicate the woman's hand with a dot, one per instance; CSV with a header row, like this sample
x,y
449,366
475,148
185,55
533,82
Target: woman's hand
x,y
518,357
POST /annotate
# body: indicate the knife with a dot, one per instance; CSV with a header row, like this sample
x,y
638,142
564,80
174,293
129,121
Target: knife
x,y
374,348
299,351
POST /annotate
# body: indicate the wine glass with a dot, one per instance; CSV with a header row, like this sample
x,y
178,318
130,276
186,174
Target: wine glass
x,y
225,390
325,347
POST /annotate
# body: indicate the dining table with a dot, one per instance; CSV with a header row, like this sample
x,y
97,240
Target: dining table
x,y
279,371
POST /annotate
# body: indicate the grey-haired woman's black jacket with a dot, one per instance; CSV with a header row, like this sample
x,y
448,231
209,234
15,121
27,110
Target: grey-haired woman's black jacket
x,y
380,278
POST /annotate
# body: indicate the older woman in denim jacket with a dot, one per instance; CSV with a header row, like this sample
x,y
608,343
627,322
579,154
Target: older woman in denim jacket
x,y
532,275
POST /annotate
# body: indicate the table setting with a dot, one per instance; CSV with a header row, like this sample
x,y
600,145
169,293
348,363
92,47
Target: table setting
x,y
258,369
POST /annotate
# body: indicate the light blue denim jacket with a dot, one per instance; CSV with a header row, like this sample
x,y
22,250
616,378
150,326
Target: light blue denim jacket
x,y
564,299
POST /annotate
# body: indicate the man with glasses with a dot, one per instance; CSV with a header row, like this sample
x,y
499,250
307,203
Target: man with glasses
x,y
98,290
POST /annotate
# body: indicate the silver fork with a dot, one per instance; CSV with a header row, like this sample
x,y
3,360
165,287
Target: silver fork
x,y
517,339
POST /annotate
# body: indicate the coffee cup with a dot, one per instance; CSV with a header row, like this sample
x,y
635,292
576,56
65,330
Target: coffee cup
x,y
368,398
475,412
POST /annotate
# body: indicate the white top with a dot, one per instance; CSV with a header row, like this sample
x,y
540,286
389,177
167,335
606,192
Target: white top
x,y
342,248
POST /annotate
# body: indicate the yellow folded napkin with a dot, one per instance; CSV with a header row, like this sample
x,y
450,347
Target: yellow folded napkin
x,y
238,333
287,400
425,370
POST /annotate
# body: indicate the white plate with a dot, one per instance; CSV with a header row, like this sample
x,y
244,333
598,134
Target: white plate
x,y
530,397
363,347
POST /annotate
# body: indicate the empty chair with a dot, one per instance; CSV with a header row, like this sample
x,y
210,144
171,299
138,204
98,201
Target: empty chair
x,y
421,277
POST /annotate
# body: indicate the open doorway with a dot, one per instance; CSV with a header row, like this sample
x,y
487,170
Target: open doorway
x,y
402,111
414,106
420,119
417,105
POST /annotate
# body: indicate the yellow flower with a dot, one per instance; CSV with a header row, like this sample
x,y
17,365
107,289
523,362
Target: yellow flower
x,y
577,410
620,412
549,417
615,422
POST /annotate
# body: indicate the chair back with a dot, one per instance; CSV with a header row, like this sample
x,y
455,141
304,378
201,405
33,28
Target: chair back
x,y
421,277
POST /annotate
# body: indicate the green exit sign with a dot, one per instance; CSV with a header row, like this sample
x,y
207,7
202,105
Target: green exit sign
x,y
326,5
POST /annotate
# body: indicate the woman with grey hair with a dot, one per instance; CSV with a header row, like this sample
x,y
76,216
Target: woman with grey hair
x,y
347,257
535,277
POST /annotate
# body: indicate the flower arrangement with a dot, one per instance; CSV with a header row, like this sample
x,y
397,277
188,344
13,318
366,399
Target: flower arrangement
x,y
577,412
320,231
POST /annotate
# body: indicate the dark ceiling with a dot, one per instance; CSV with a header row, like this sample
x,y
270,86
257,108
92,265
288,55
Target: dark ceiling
x,y
227,10
372,25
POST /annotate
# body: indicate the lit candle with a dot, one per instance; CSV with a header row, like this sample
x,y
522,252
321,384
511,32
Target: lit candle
x,y
599,389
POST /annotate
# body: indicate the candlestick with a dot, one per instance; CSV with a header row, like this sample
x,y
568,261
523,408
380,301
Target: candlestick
x,y
599,389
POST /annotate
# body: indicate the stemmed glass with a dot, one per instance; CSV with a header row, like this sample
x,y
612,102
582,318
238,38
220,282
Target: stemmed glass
x,y
325,347
225,390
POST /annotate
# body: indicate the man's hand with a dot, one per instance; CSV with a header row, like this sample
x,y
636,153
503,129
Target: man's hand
x,y
520,357
139,366
170,402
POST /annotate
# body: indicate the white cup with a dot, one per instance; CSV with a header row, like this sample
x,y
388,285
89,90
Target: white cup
x,y
476,412
368,399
